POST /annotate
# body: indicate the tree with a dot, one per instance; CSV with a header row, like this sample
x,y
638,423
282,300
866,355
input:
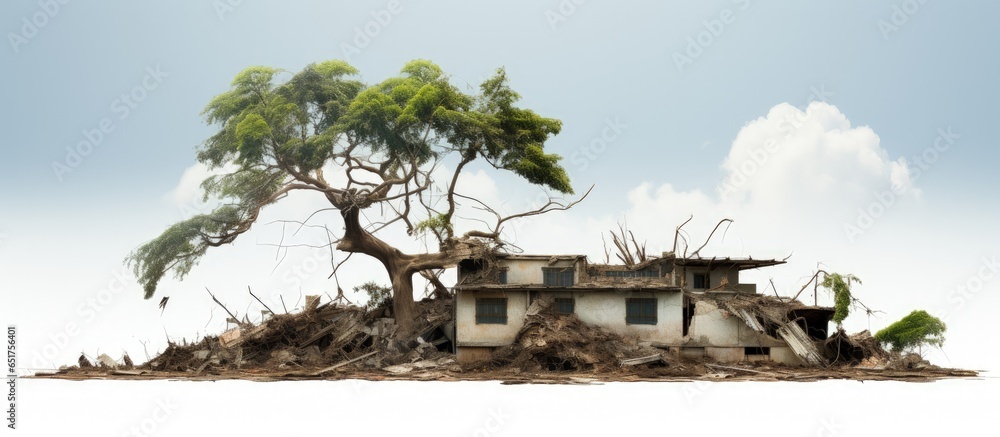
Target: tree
x,y
842,299
913,331
385,141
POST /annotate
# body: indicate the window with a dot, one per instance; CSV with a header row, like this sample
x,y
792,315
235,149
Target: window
x,y
565,305
491,310
560,277
700,280
757,351
503,276
632,273
640,311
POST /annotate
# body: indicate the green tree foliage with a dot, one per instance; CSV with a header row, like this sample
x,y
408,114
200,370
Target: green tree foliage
x,y
842,298
383,140
378,295
915,330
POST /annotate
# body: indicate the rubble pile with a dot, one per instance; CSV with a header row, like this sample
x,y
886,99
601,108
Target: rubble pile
x,y
859,349
561,342
319,339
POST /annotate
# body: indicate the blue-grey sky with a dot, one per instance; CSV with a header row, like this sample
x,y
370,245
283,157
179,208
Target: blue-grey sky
x,y
684,87
600,60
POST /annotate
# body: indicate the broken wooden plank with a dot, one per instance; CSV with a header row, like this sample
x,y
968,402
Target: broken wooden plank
x,y
800,343
322,332
343,363
129,372
746,316
641,360
740,369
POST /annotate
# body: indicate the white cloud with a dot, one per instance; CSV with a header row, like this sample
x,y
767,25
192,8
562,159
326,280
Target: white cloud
x,y
187,196
791,176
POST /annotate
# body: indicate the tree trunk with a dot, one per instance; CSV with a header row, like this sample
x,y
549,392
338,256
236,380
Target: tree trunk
x,y
400,266
402,299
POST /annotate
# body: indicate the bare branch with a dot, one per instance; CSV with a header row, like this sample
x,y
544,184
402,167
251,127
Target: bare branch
x,y
677,234
695,253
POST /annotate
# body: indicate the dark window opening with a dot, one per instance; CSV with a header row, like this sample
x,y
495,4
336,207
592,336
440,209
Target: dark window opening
x,y
640,311
688,316
491,310
700,280
503,276
565,305
814,323
757,351
558,277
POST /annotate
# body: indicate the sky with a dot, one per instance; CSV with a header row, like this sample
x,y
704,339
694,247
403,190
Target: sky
x,y
852,135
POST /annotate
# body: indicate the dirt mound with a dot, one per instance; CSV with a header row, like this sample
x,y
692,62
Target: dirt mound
x,y
562,342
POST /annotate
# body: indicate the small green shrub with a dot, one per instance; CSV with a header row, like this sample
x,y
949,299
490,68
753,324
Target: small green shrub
x,y
913,331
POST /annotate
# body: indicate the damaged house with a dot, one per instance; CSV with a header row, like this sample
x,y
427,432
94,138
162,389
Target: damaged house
x,y
693,307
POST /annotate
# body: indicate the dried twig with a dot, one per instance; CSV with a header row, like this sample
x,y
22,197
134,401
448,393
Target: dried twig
x,y
221,305
258,299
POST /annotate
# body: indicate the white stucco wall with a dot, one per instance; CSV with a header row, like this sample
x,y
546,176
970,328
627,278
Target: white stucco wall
x,y
785,355
470,333
600,308
607,309
530,271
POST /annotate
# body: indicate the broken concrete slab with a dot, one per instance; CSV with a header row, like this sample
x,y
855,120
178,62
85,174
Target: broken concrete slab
x,y
801,344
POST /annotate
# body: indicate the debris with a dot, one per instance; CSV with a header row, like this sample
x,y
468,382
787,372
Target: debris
x,y
226,338
855,349
657,358
341,364
399,369
105,361
740,369
561,342
801,344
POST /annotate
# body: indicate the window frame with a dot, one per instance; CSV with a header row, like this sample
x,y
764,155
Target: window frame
x,y
495,317
561,276
707,280
559,303
644,316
